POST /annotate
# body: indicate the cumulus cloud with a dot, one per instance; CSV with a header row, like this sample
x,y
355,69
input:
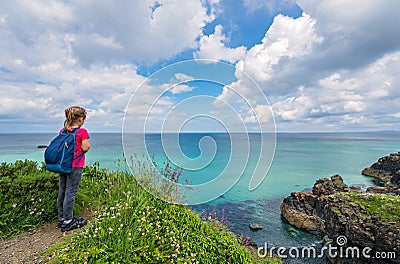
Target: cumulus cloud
x,y
181,89
286,40
214,47
355,33
104,91
145,31
178,84
55,54
347,77
330,68
361,98
337,65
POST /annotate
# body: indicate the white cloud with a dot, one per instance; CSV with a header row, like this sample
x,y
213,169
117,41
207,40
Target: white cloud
x,y
104,91
364,97
258,114
356,33
286,39
338,65
335,66
102,33
56,54
214,47
243,90
180,77
106,42
177,89
47,11
146,32
177,84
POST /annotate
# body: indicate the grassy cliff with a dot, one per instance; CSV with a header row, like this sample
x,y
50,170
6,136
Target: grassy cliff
x,y
128,226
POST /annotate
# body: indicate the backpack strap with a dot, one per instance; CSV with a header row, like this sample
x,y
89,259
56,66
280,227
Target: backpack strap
x,y
76,129
83,153
79,158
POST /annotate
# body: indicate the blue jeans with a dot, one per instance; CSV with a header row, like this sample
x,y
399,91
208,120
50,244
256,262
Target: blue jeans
x,y
68,188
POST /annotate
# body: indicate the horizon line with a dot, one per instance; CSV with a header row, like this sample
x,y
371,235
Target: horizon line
x,y
216,132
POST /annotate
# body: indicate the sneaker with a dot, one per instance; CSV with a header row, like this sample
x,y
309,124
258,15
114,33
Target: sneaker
x,y
76,222
82,221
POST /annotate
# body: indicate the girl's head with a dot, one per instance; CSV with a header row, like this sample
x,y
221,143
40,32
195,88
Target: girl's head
x,y
74,116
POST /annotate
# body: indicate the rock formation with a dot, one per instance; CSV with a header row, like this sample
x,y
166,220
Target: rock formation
x,y
366,219
386,169
255,227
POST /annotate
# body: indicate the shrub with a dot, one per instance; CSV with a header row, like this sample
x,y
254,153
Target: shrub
x,y
27,196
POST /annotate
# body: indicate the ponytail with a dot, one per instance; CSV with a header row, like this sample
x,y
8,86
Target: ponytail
x,y
72,114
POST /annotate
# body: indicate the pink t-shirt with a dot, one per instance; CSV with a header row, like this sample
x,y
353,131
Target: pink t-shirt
x,y
80,136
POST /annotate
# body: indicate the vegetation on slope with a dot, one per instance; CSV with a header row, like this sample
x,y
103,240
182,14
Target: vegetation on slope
x,y
129,225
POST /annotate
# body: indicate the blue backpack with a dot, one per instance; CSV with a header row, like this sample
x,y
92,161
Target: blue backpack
x,y
60,152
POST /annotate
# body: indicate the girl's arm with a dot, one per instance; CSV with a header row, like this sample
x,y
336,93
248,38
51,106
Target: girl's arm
x,y
85,145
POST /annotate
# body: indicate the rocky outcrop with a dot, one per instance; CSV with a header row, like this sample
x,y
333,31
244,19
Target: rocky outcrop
x,y
247,242
389,188
298,210
327,186
304,210
386,169
255,227
333,209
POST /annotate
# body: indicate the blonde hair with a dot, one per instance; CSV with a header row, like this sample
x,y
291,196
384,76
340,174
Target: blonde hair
x,y
72,114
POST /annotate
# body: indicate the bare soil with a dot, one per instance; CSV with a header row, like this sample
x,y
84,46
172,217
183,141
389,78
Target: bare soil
x,y
27,247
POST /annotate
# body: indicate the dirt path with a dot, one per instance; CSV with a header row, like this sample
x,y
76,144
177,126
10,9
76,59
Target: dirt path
x,y
26,247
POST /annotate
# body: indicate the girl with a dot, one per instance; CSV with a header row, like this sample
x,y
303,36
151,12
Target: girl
x,y
69,183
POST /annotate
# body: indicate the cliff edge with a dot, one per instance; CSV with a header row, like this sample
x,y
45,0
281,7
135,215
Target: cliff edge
x,y
386,169
366,219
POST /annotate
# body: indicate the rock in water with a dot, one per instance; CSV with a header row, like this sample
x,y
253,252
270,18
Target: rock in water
x,y
255,227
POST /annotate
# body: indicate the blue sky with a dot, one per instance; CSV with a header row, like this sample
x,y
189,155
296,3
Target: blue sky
x,y
323,65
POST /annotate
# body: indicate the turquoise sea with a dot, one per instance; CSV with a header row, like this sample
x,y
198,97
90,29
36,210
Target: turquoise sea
x,y
300,159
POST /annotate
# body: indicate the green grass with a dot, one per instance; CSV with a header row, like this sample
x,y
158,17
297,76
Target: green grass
x,y
129,225
132,226
385,207
27,197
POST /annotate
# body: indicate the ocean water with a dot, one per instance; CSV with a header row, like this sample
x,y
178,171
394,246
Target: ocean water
x,y
300,159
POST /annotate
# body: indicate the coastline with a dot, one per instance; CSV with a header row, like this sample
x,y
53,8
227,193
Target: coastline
x,y
300,160
123,213
348,217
